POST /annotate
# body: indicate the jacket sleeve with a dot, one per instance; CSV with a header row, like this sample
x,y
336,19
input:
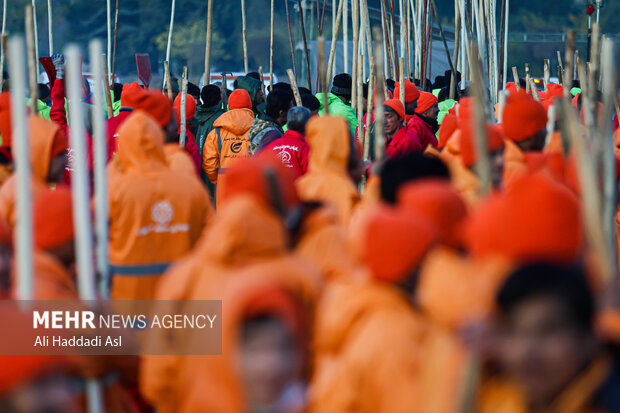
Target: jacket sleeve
x,y
211,157
57,113
192,149
303,158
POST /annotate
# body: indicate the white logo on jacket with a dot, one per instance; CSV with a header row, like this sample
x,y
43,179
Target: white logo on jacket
x,y
162,213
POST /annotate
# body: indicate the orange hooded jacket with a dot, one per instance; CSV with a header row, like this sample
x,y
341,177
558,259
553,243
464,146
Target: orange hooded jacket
x,y
178,159
156,214
227,142
43,133
367,339
327,179
247,242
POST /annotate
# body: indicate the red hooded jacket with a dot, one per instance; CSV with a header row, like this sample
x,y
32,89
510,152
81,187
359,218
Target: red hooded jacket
x,y
422,132
402,143
292,150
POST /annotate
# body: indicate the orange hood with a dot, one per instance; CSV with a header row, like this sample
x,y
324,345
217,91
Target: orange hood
x,y
245,231
42,136
345,307
140,144
328,137
237,121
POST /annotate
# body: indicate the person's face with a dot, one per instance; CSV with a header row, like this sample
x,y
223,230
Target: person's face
x,y
540,348
411,107
269,363
392,123
260,96
56,171
282,116
65,253
432,112
535,143
314,113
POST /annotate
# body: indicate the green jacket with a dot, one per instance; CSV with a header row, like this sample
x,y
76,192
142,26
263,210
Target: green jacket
x,y
338,108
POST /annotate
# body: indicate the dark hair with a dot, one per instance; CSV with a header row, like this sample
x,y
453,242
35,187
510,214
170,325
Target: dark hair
x,y
118,91
256,323
444,94
297,117
304,90
568,285
255,75
310,102
439,82
282,86
391,84
277,101
193,90
398,171
43,92
210,95
365,91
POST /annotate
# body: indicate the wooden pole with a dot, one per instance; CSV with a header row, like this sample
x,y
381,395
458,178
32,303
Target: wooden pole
x,y
171,28
113,71
100,156
32,60
224,91
345,35
401,80
303,34
369,101
568,57
527,77
445,45
81,202
379,109
106,85
109,30
321,65
515,77
167,77
610,195
208,44
546,74
332,49
534,90
3,39
245,41
360,93
36,37
23,203
183,109
483,164
50,36
291,78
290,37
356,27
270,49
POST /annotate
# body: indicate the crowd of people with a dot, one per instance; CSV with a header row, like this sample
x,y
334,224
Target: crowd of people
x,y
347,284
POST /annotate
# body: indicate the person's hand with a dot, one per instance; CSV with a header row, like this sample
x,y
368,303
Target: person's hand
x,y
59,64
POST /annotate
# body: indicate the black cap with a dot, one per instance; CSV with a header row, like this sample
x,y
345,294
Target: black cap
x,y
342,84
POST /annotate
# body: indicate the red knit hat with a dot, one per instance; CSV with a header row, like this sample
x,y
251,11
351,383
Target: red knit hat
x,y
411,91
190,108
239,99
129,88
449,124
425,102
436,201
397,106
153,102
374,95
523,116
468,146
53,218
540,220
394,243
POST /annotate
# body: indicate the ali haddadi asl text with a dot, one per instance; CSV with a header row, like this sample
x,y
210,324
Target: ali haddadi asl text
x,y
78,341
